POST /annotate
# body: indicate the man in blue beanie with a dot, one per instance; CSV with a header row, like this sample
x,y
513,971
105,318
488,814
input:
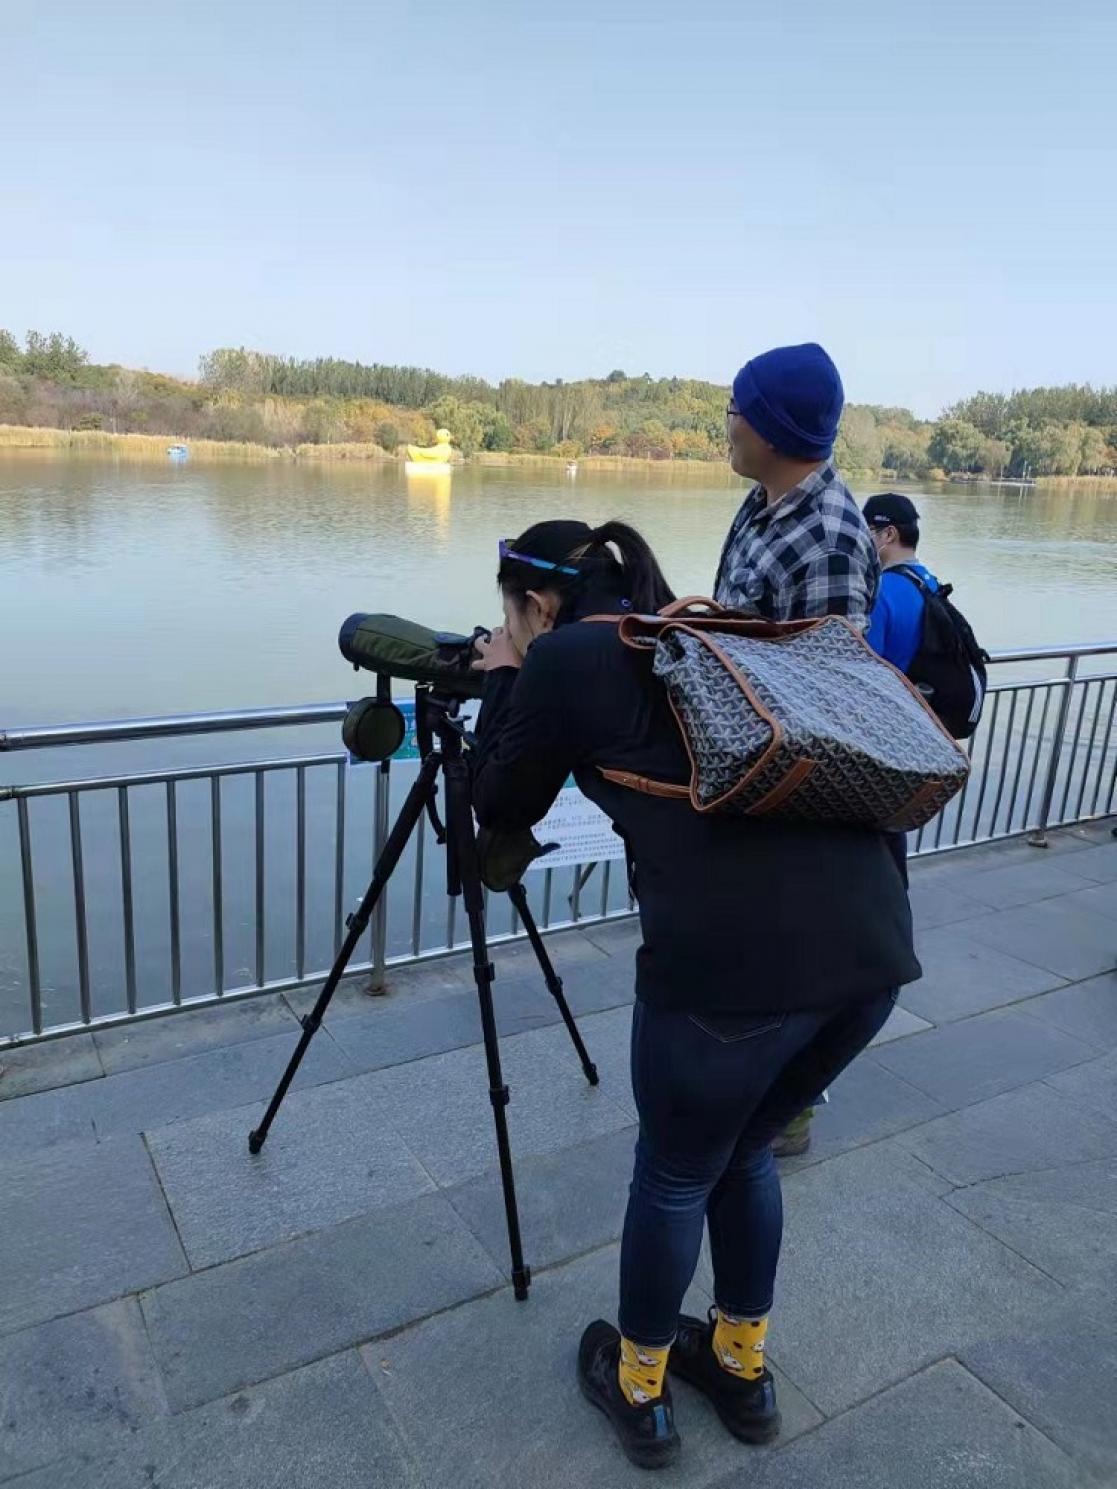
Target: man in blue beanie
x,y
799,546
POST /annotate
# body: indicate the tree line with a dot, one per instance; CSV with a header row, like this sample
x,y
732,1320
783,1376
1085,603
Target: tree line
x,y
284,401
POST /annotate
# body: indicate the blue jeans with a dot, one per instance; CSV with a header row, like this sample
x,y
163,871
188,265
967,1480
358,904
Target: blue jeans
x,y
712,1091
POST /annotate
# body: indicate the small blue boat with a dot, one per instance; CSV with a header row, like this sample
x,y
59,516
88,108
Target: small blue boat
x,y
178,453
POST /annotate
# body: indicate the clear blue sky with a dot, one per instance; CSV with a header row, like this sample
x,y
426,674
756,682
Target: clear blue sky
x,y
509,188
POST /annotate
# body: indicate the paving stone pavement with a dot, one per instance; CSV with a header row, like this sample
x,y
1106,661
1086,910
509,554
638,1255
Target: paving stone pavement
x,y
337,1310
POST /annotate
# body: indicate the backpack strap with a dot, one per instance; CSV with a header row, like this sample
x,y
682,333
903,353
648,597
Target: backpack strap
x,y
907,572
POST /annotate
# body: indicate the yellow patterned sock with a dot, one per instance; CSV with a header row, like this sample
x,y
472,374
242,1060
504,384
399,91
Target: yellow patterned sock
x,y
739,1345
641,1371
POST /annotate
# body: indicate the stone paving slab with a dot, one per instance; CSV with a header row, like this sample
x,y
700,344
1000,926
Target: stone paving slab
x,y
157,1040
159,1094
440,1107
75,1384
42,1067
1029,1128
323,1427
570,1202
1070,1396
867,1102
1088,1010
933,904
608,1038
396,1033
1062,1220
1004,887
1098,863
329,1157
1062,937
82,1223
962,976
516,1418
880,1278
969,1061
258,1317
899,1024
942,1429
1093,1085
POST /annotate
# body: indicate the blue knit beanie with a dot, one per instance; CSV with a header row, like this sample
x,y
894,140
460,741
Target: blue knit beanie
x,y
792,396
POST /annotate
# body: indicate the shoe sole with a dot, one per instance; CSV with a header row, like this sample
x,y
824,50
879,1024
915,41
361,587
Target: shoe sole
x,y
755,1435
661,1458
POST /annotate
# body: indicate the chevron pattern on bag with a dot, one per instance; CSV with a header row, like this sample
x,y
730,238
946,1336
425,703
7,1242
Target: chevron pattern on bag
x,y
753,708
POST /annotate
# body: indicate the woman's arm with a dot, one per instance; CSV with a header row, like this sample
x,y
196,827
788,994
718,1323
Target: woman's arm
x,y
528,741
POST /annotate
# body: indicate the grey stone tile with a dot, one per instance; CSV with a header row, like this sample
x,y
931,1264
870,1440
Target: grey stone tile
x,y
621,939
1031,1128
440,1106
1093,1086
942,1429
608,1038
323,1425
46,1118
879,1278
403,985
1088,1010
1063,1220
1020,883
242,1322
962,976
42,1067
157,1040
408,1030
570,1202
1098,863
76,1383
519,1419
566,949
965,1062
933,904
152,1097
900,1023
329,1156
1100,899
83,1223
1070,1396
1056,934
867,1103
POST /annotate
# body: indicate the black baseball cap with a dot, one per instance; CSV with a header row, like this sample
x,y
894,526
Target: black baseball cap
x,y
890,509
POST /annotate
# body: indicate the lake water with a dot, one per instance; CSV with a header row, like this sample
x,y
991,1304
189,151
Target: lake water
x,y
130,589
134,589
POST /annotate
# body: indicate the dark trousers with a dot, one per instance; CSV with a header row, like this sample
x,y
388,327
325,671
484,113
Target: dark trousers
x,y
712,1092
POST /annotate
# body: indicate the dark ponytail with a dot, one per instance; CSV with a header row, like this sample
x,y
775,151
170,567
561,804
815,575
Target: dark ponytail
x,y
630,573
645,585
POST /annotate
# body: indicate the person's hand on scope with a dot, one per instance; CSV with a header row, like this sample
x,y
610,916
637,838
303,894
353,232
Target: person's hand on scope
x,y
499,651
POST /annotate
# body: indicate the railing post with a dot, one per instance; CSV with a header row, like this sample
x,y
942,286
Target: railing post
x,y
1038,838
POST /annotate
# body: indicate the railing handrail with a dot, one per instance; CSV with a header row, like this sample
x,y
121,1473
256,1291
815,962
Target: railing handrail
x,y
54,736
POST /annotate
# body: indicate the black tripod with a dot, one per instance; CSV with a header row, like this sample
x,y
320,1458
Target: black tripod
x,y
435,722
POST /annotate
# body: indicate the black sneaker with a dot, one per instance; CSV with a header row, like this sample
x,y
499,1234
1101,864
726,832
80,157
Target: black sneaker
x,y
646,1433
747,1407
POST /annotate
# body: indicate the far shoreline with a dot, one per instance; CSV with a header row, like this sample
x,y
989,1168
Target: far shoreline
x,y
38,439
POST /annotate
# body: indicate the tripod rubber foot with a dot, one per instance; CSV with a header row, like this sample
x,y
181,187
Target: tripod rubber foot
x,y
592,1075
255,1141
521,1282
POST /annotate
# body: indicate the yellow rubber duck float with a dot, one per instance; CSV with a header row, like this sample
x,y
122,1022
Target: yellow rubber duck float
x,y
430,460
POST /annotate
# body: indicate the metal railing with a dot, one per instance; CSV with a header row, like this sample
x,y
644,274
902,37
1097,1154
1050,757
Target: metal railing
x,y
141,892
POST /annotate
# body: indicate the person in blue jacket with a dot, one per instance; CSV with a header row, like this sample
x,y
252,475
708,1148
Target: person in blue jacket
x,y
896,619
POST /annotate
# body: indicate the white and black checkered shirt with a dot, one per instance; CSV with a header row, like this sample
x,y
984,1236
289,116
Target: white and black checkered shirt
x,y
810,554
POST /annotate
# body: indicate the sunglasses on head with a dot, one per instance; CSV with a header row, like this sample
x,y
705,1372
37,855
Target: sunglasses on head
x,y
507,551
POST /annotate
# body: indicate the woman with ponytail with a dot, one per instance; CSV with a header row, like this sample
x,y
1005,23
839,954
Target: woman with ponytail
x,y
769,953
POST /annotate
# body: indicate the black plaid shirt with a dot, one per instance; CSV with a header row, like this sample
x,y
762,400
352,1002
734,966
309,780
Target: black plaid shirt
x,y
811,554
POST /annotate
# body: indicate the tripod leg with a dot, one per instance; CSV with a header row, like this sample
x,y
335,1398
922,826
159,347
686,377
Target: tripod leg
x,y
459,826
518,895
412,810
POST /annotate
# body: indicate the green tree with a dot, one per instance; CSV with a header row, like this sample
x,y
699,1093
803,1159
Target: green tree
x,y
387,436
956,445
10,355
858,446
